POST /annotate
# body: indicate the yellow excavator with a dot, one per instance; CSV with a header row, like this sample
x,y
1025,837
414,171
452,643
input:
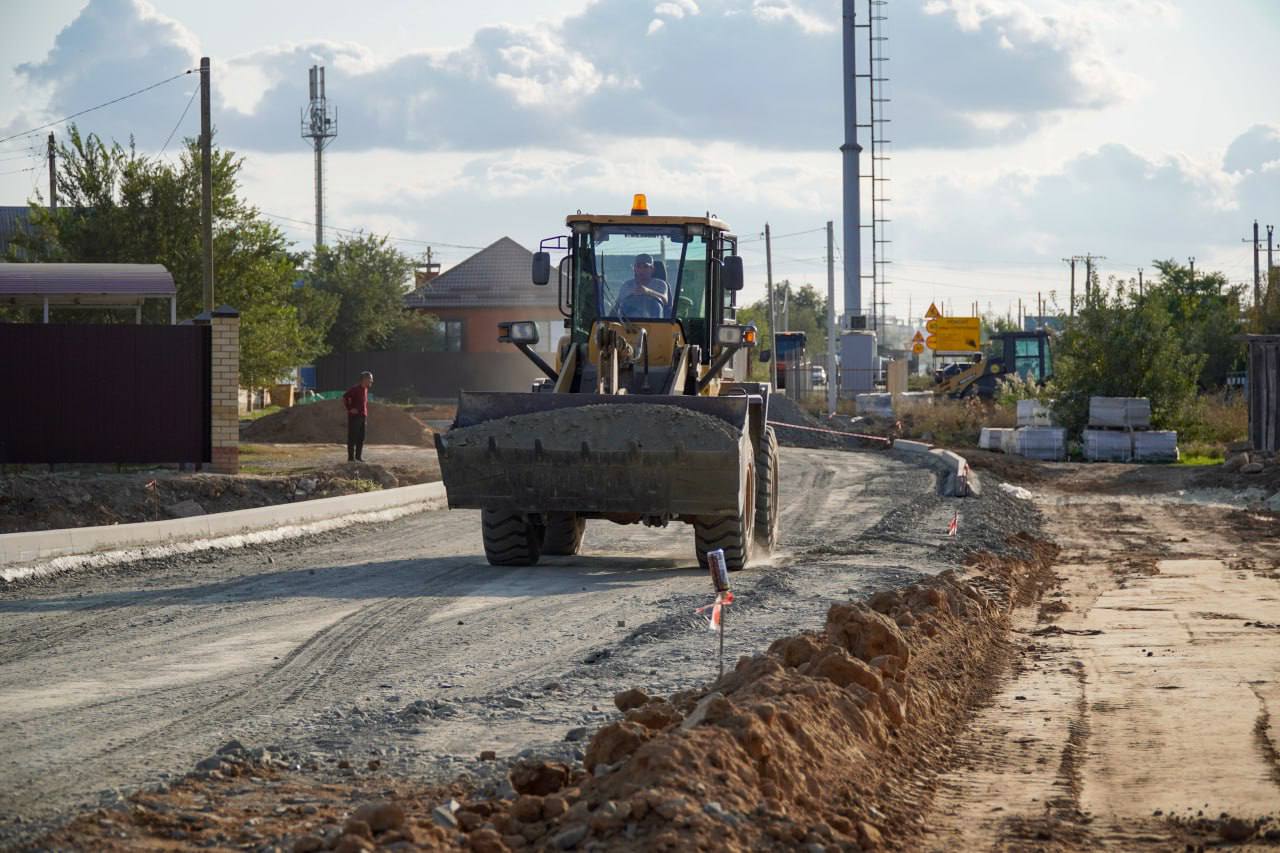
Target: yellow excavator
x,y
641,419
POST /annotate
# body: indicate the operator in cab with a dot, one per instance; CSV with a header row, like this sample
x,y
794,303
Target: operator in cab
x,y
643,296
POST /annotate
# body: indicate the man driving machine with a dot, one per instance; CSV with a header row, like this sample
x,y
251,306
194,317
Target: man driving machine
x,y
643,295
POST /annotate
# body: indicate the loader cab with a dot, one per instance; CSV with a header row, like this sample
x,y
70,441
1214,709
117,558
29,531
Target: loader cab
x,y
681,272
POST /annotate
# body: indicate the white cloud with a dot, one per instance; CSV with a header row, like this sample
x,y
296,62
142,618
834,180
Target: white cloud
x,y
594,76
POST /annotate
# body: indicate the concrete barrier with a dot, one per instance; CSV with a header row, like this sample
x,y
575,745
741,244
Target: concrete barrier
x,y
19,551
955,478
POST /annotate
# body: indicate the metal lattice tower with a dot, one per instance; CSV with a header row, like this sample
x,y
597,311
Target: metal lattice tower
x,y
876,77
879,97
321,128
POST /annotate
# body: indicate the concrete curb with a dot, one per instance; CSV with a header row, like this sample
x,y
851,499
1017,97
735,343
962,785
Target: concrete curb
x,y
956,479
18,551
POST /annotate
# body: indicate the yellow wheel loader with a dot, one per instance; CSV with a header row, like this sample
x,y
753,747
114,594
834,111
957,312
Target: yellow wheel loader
x,y
641,419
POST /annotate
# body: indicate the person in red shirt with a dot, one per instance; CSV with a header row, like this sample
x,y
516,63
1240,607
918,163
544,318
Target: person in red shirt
x,y
356,401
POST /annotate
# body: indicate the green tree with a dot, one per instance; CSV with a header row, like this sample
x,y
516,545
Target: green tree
x,y
1205,311
417,332
1123,345
369,278
121,207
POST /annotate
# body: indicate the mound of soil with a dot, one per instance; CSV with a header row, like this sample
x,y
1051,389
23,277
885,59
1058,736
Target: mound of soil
x,y
795,428
57,501
325,422
811,744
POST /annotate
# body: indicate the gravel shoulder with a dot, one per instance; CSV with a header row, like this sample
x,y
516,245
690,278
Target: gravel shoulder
x,y
1143,707
397,643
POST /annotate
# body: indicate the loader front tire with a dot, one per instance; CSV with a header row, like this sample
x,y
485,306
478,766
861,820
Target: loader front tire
x,y
564,534
766,528
510,539
733,534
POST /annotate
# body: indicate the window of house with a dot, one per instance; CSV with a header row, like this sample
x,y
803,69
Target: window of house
x,y
450,335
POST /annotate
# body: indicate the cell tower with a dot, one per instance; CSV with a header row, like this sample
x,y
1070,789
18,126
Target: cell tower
x,y
321,128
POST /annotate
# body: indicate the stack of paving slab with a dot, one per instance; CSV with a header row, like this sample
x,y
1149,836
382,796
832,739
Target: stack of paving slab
x,y
874,404
1033,413
1046,443
1120,431
999,439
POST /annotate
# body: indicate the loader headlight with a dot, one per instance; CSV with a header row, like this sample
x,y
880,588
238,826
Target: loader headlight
x,y
523,332
736,336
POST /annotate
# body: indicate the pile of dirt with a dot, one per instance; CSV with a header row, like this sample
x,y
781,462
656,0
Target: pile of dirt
x,y
56,501
604,427
797,428
325,422
820,741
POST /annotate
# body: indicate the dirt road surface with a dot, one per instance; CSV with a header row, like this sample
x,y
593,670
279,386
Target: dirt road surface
x,y
1143,711
398,642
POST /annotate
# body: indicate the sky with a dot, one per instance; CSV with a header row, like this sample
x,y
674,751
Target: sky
x,y
1022,131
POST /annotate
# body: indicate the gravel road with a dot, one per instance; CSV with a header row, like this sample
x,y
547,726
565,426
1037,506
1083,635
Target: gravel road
x,y
399,642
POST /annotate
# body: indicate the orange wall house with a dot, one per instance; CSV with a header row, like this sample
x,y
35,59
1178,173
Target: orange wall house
x,y
491,286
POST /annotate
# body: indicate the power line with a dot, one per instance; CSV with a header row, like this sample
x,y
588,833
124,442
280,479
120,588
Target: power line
x,y
180,118
19,171
759,237
368,231
98,107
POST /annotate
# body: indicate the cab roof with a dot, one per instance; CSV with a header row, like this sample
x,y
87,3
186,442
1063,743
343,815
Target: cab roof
x,y
623,219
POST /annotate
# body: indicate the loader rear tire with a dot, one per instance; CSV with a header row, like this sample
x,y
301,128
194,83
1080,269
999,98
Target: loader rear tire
x,y
510,539
766,528
564,534
734,534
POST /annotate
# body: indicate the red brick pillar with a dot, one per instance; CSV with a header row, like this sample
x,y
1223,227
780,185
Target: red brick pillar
x,y
225,390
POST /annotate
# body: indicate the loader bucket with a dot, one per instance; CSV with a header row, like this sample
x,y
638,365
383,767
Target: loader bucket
x,y
589,453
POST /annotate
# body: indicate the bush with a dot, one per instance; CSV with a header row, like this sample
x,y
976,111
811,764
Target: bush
x,y
1120,345
953,423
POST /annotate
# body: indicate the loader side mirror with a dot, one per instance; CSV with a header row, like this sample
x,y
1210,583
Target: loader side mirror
x,y
731,274
541,268
766,354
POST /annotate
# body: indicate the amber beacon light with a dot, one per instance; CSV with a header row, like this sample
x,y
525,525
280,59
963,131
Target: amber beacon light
x,y
639,205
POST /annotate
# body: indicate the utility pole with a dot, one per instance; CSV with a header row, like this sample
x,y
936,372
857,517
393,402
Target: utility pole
x,y
53,174
773,320
206,183
321,129
850,152
1139,281
831,319
1269,228
1257,271
1072,260
1191,260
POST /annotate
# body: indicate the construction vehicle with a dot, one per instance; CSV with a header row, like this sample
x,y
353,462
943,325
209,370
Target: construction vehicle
x,y
641,418
1025,354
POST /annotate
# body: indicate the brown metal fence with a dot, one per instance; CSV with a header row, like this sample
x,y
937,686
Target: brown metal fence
x,y
1264,392
104,393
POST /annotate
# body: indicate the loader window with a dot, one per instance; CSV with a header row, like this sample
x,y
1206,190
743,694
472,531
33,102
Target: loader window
x,y
1027,359
650,273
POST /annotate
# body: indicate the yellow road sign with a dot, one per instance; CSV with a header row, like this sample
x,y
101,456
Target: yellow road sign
x,y
932,312
931,342
917,348
931,326
918,339
956,334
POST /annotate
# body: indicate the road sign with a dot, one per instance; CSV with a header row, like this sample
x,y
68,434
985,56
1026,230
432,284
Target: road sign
x,y
933,312
917,348
957,334
931,326
918,339
931,342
